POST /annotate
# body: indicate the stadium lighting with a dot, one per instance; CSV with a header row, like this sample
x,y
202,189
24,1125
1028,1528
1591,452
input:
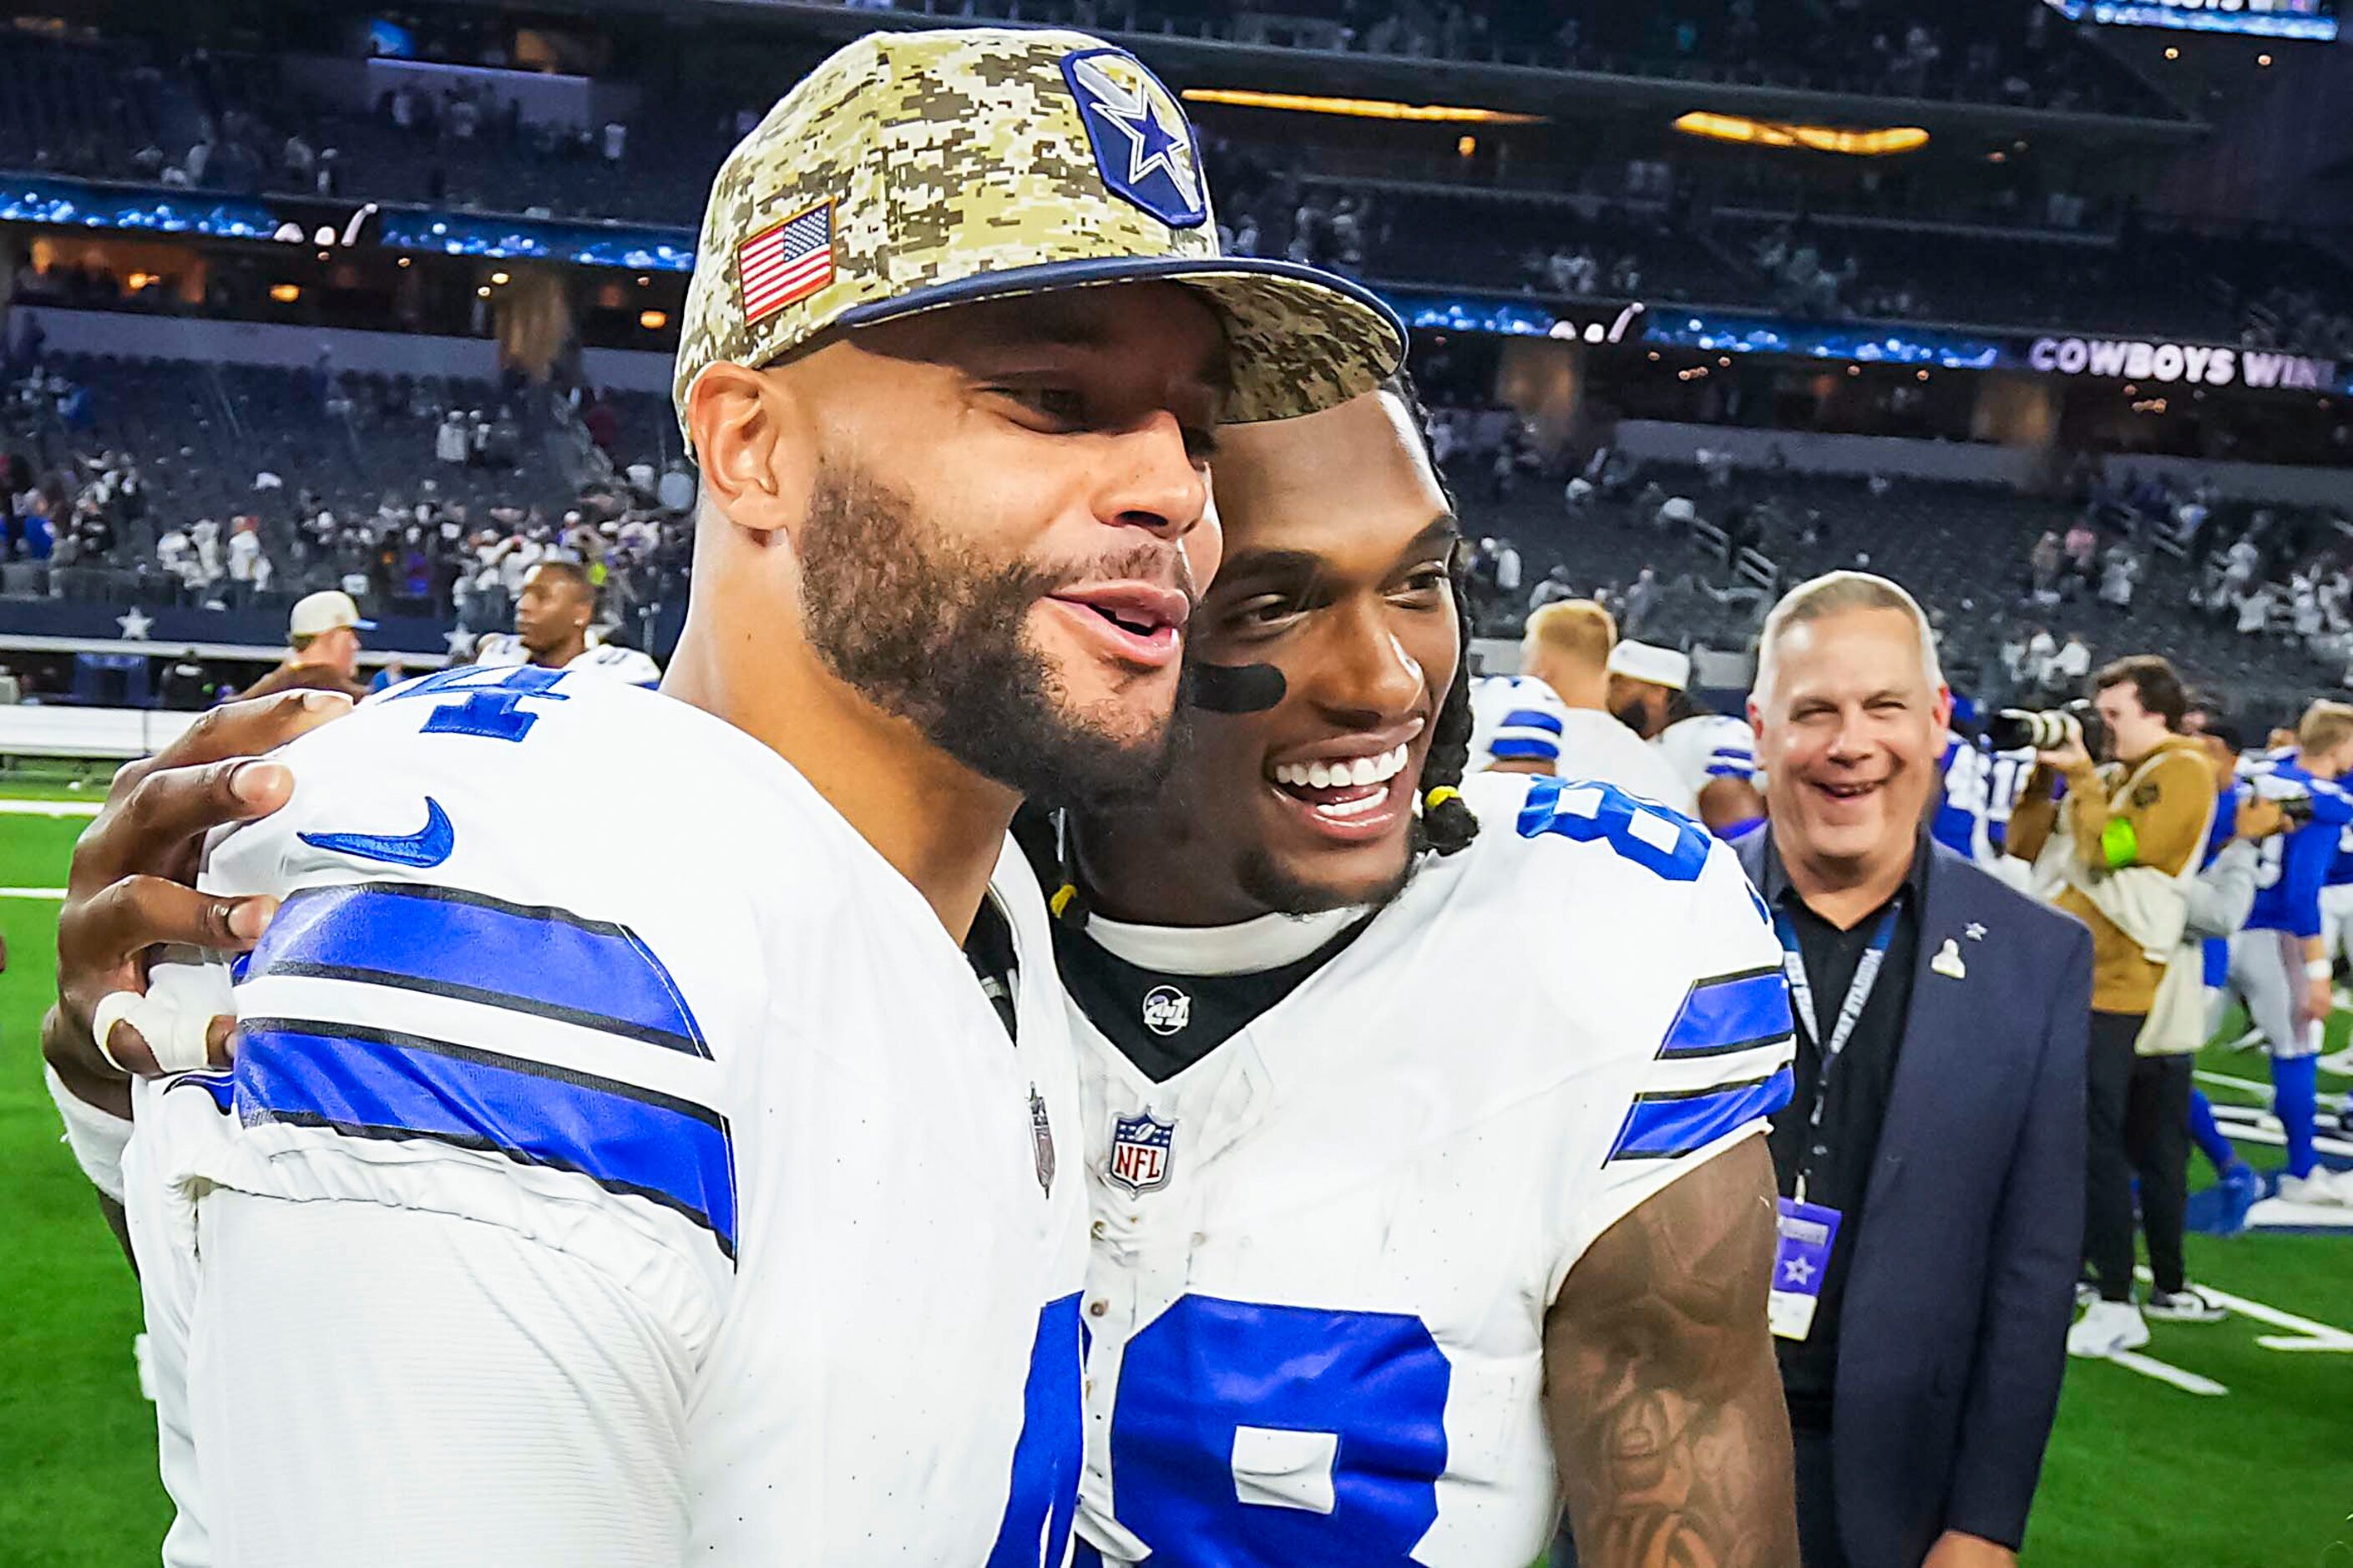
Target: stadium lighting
x,y
498,279
1356,108
1873,143
653,320
285,293
1465,146
483,292
2264,60
2171,53
403,262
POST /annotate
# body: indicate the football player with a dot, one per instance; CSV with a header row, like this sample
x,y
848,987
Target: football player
x,y
1553,717
1422,1116
2279,966
1712,755
594,1209
552,616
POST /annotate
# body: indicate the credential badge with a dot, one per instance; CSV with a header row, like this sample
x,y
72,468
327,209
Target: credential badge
x,y
1139,1151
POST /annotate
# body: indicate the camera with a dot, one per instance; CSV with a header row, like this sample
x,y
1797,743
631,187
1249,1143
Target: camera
x,y
2043,730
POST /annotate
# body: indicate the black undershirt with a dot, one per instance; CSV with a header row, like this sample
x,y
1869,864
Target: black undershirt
x,y
988,948
1194,1014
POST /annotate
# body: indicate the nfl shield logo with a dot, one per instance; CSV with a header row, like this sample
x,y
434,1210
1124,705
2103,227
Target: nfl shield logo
x,y
1139,1151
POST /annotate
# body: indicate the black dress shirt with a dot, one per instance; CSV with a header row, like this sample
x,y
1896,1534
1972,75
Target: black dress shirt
x,y
1837,1160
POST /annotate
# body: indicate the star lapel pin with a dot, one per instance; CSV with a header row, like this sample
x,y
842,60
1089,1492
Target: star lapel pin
x,y
1976,931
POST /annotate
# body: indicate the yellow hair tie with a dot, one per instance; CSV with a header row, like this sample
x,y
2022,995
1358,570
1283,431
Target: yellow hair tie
x,y
1439,796
1061,899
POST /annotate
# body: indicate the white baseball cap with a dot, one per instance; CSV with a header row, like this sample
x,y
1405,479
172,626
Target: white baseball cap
x,y
325,612
1650,663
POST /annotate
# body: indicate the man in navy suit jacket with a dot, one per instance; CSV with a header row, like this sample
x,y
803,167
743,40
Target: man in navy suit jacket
x,y
1931,1165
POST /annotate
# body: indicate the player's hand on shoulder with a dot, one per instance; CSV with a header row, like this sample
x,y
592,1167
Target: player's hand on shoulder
x,y
131,889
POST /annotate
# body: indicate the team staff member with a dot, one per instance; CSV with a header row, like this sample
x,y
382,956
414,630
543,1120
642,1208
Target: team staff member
x,y
1930,1163
324,630
2148,808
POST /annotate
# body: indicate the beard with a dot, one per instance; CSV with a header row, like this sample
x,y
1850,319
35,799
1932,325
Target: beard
x,y
929,631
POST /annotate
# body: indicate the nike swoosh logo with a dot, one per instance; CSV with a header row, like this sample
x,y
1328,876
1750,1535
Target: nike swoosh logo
x,y
426,847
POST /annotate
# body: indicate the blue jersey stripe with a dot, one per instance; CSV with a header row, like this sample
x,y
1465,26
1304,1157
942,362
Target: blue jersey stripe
x,y
1732,770
448,943
1667,1126
1507,746
376,1083
1732,1012
1532,719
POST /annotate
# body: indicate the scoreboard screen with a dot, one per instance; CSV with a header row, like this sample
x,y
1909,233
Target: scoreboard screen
x,y
2313,19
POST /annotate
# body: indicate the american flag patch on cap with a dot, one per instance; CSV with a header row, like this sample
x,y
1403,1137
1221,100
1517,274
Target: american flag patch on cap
x,y
785,262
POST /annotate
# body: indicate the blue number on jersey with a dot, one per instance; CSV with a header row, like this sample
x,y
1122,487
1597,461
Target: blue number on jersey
x,y
1360,1396
1673,845
1046,1461
492,696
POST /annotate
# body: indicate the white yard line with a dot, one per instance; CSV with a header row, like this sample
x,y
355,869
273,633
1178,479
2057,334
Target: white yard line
x,y
2188,1382
48,808
2306,1334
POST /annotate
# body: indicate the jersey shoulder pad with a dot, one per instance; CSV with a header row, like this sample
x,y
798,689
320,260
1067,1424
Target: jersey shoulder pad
x,y
1658,951
1516,719
626,663
478,997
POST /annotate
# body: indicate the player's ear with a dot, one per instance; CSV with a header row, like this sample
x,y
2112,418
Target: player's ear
x,y
756,447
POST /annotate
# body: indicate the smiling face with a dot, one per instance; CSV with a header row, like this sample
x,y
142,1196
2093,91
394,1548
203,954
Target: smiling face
x,y
1337,536
1005,515
1849,735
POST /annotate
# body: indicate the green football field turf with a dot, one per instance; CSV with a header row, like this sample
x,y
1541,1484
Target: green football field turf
x,y
2141,1472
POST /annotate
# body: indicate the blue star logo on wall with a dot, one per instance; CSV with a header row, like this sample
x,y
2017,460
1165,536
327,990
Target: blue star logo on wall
x,y
1142,143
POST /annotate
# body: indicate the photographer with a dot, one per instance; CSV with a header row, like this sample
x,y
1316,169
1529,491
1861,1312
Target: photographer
x,y
2122,860
2279,962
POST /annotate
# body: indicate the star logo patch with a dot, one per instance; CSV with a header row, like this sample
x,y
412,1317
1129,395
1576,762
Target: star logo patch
x,y
1143,143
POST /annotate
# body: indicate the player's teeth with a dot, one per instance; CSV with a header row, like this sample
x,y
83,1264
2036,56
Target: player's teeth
x,y
1362,773
1318,776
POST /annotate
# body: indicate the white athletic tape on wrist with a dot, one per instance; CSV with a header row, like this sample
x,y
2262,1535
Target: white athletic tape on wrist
x,y
174,1034
96,1137
2318,969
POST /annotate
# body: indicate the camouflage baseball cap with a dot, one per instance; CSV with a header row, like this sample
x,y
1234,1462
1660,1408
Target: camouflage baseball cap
x,y
917,169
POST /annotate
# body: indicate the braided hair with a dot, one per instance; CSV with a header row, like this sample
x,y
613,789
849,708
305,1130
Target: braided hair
x,y
1446,824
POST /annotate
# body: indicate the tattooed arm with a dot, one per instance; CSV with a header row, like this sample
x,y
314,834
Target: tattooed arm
x,y
1661,1386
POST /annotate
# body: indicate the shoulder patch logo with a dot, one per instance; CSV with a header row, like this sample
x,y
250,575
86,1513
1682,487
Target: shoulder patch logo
x,y
1139,1152
1143,143
1166,1010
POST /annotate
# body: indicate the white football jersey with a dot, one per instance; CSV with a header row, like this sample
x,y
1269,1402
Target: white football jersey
x,y
1514,719
716,1084
1324,1251
1706,747
499,650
